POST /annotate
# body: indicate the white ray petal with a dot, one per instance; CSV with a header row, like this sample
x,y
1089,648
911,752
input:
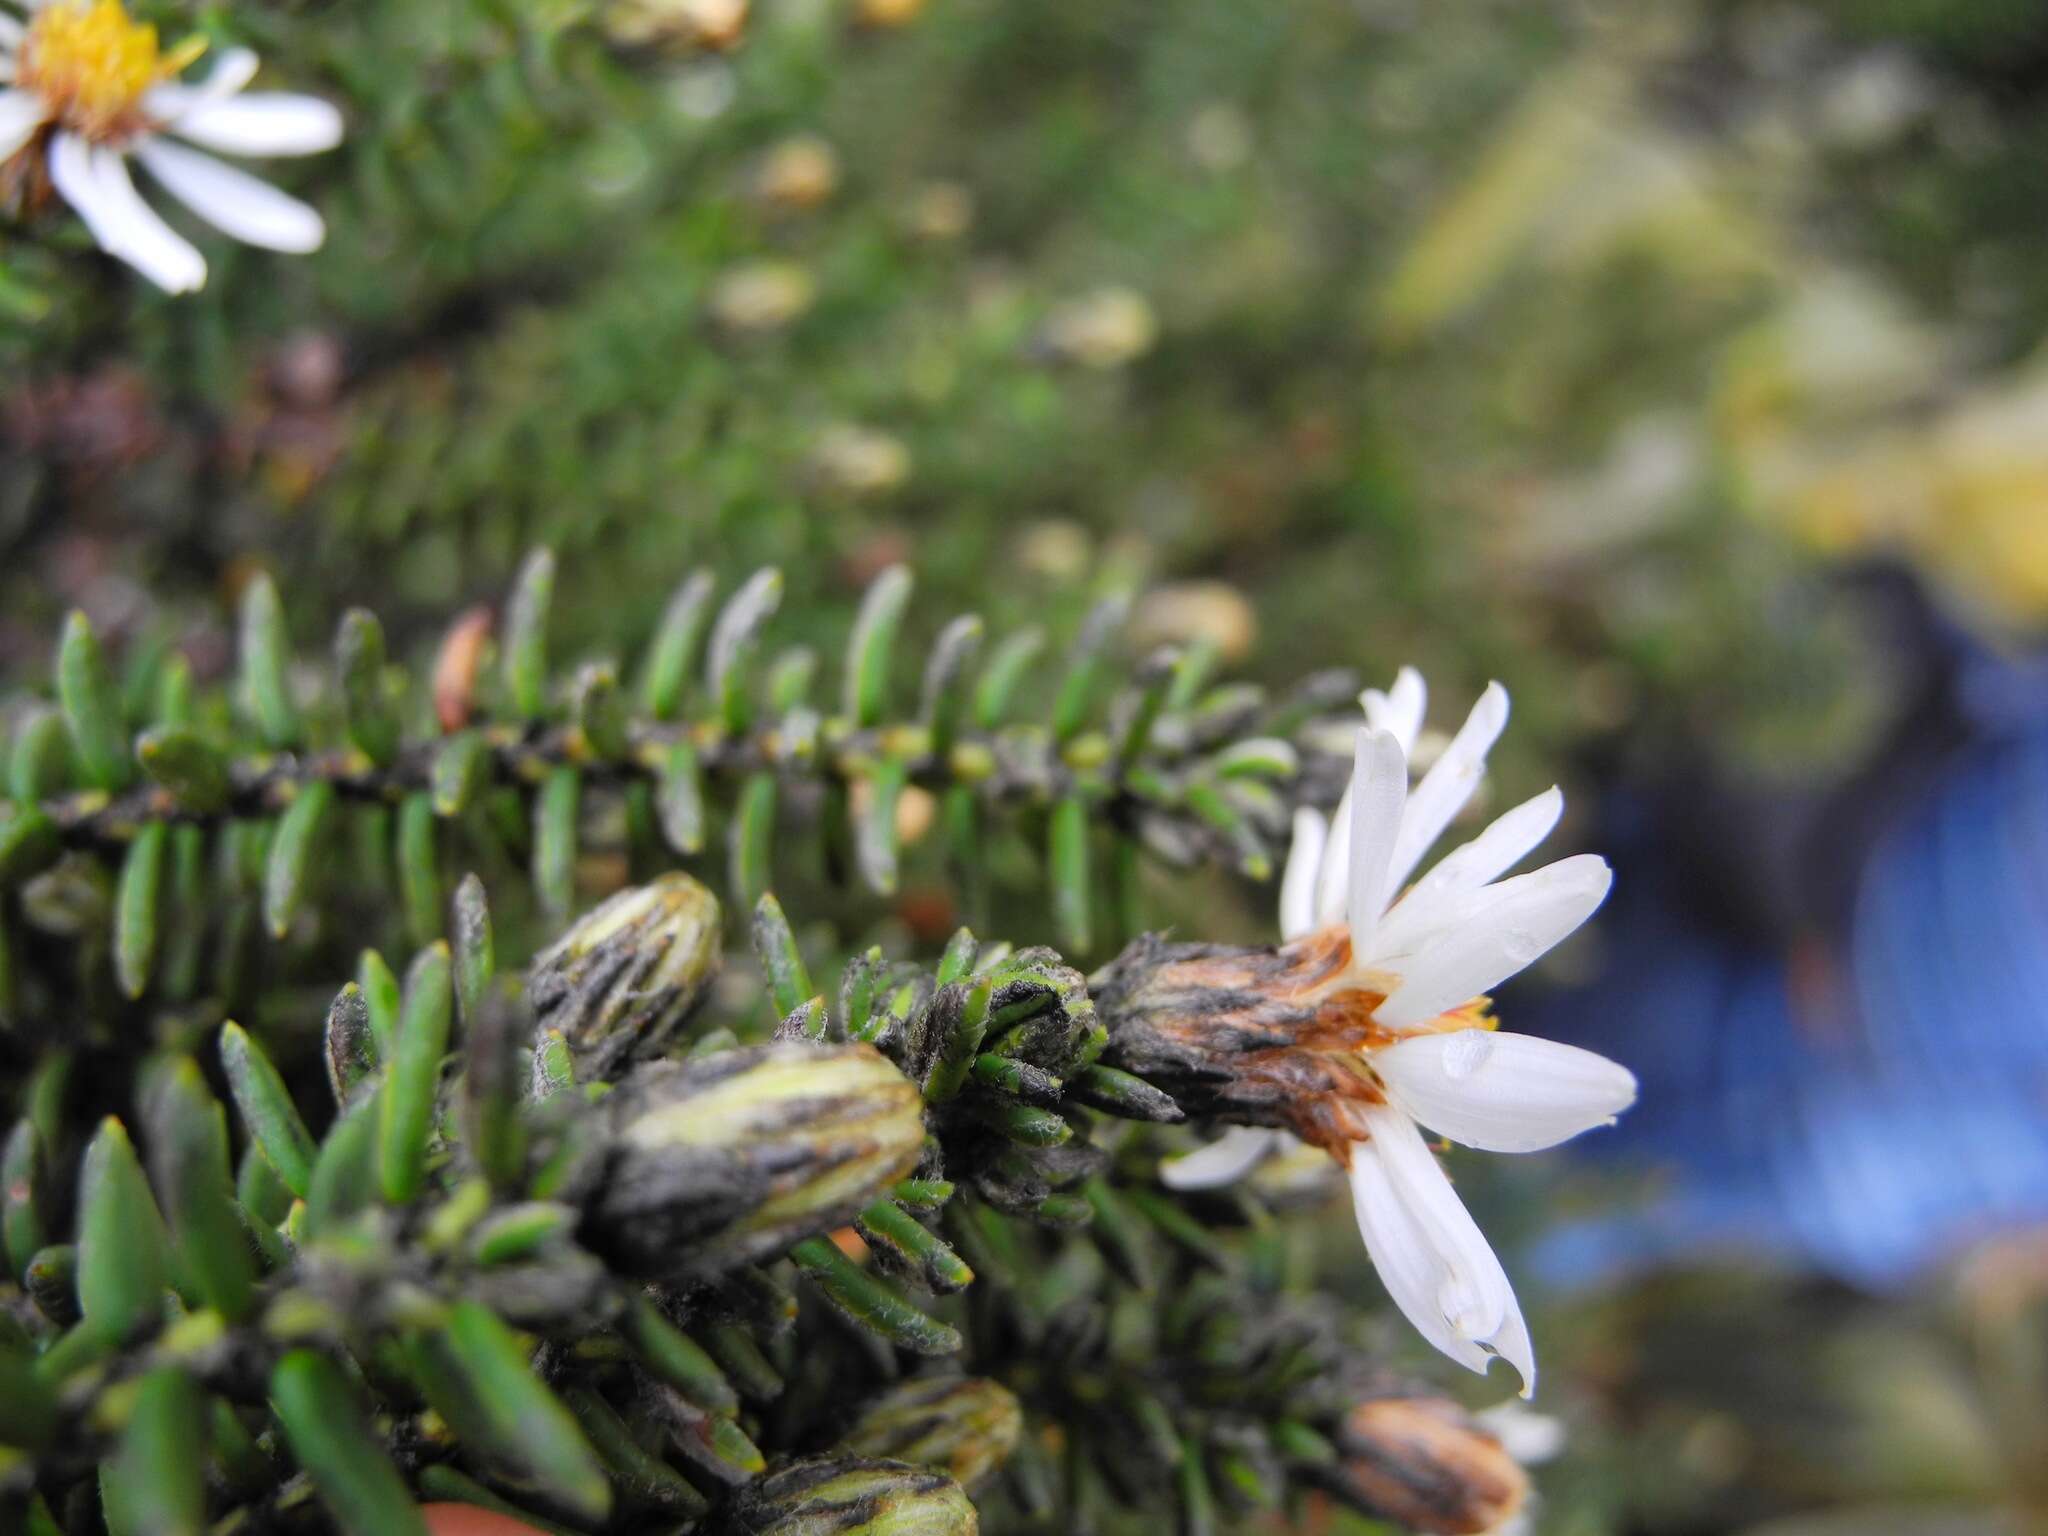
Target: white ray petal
x,y
1449,782
21,113
1424,926
1225,1160
11,31
96,184
233,201
1446,1279
1379,788
1503,1092
1510,925
1399,709
252,123
231,72
1400,1250
1475,1293
1508,839
1333,883
1298,882
1530,1437
1513,1344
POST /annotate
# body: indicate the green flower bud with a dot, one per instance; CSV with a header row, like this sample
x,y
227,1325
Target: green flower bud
x,y
965,1426
840,1496
1422,1463
732,1157
621,981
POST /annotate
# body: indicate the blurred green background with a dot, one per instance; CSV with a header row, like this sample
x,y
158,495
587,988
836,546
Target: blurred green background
x,y
1580,345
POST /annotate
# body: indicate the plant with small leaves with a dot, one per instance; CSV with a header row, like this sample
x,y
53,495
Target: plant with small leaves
x,y
233,824
570,1248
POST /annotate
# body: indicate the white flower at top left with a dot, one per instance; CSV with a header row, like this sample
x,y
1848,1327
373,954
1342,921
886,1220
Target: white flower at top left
x,y
84,88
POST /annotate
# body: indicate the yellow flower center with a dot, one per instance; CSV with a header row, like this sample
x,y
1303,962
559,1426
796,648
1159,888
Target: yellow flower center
x,y
91,63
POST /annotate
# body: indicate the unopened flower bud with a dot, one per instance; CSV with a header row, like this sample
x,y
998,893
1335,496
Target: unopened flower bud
x,y
677,26
1104,329
858,461
761,296
830,1495
939,210
1422,1463
620,982
887,13
798,173
965,1426
732,1157
1196,612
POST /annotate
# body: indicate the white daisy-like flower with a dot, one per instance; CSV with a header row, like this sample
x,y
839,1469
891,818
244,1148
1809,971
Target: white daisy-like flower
x,y
84,88
1398,983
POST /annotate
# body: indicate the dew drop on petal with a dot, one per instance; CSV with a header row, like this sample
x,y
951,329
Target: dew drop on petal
x,y
1466,1052
1521,946
1462,1305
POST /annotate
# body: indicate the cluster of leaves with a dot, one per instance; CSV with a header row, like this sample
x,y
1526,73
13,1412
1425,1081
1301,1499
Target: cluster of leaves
x,y
438,1213
565,1245
1193,1374
1188,1372
317,813
495,1280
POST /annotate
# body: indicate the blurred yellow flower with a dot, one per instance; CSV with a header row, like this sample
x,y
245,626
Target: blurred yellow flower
x,y
798,173
761,296
1103,329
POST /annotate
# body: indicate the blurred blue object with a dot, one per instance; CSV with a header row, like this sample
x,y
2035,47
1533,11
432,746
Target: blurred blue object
x,y
1844,1061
